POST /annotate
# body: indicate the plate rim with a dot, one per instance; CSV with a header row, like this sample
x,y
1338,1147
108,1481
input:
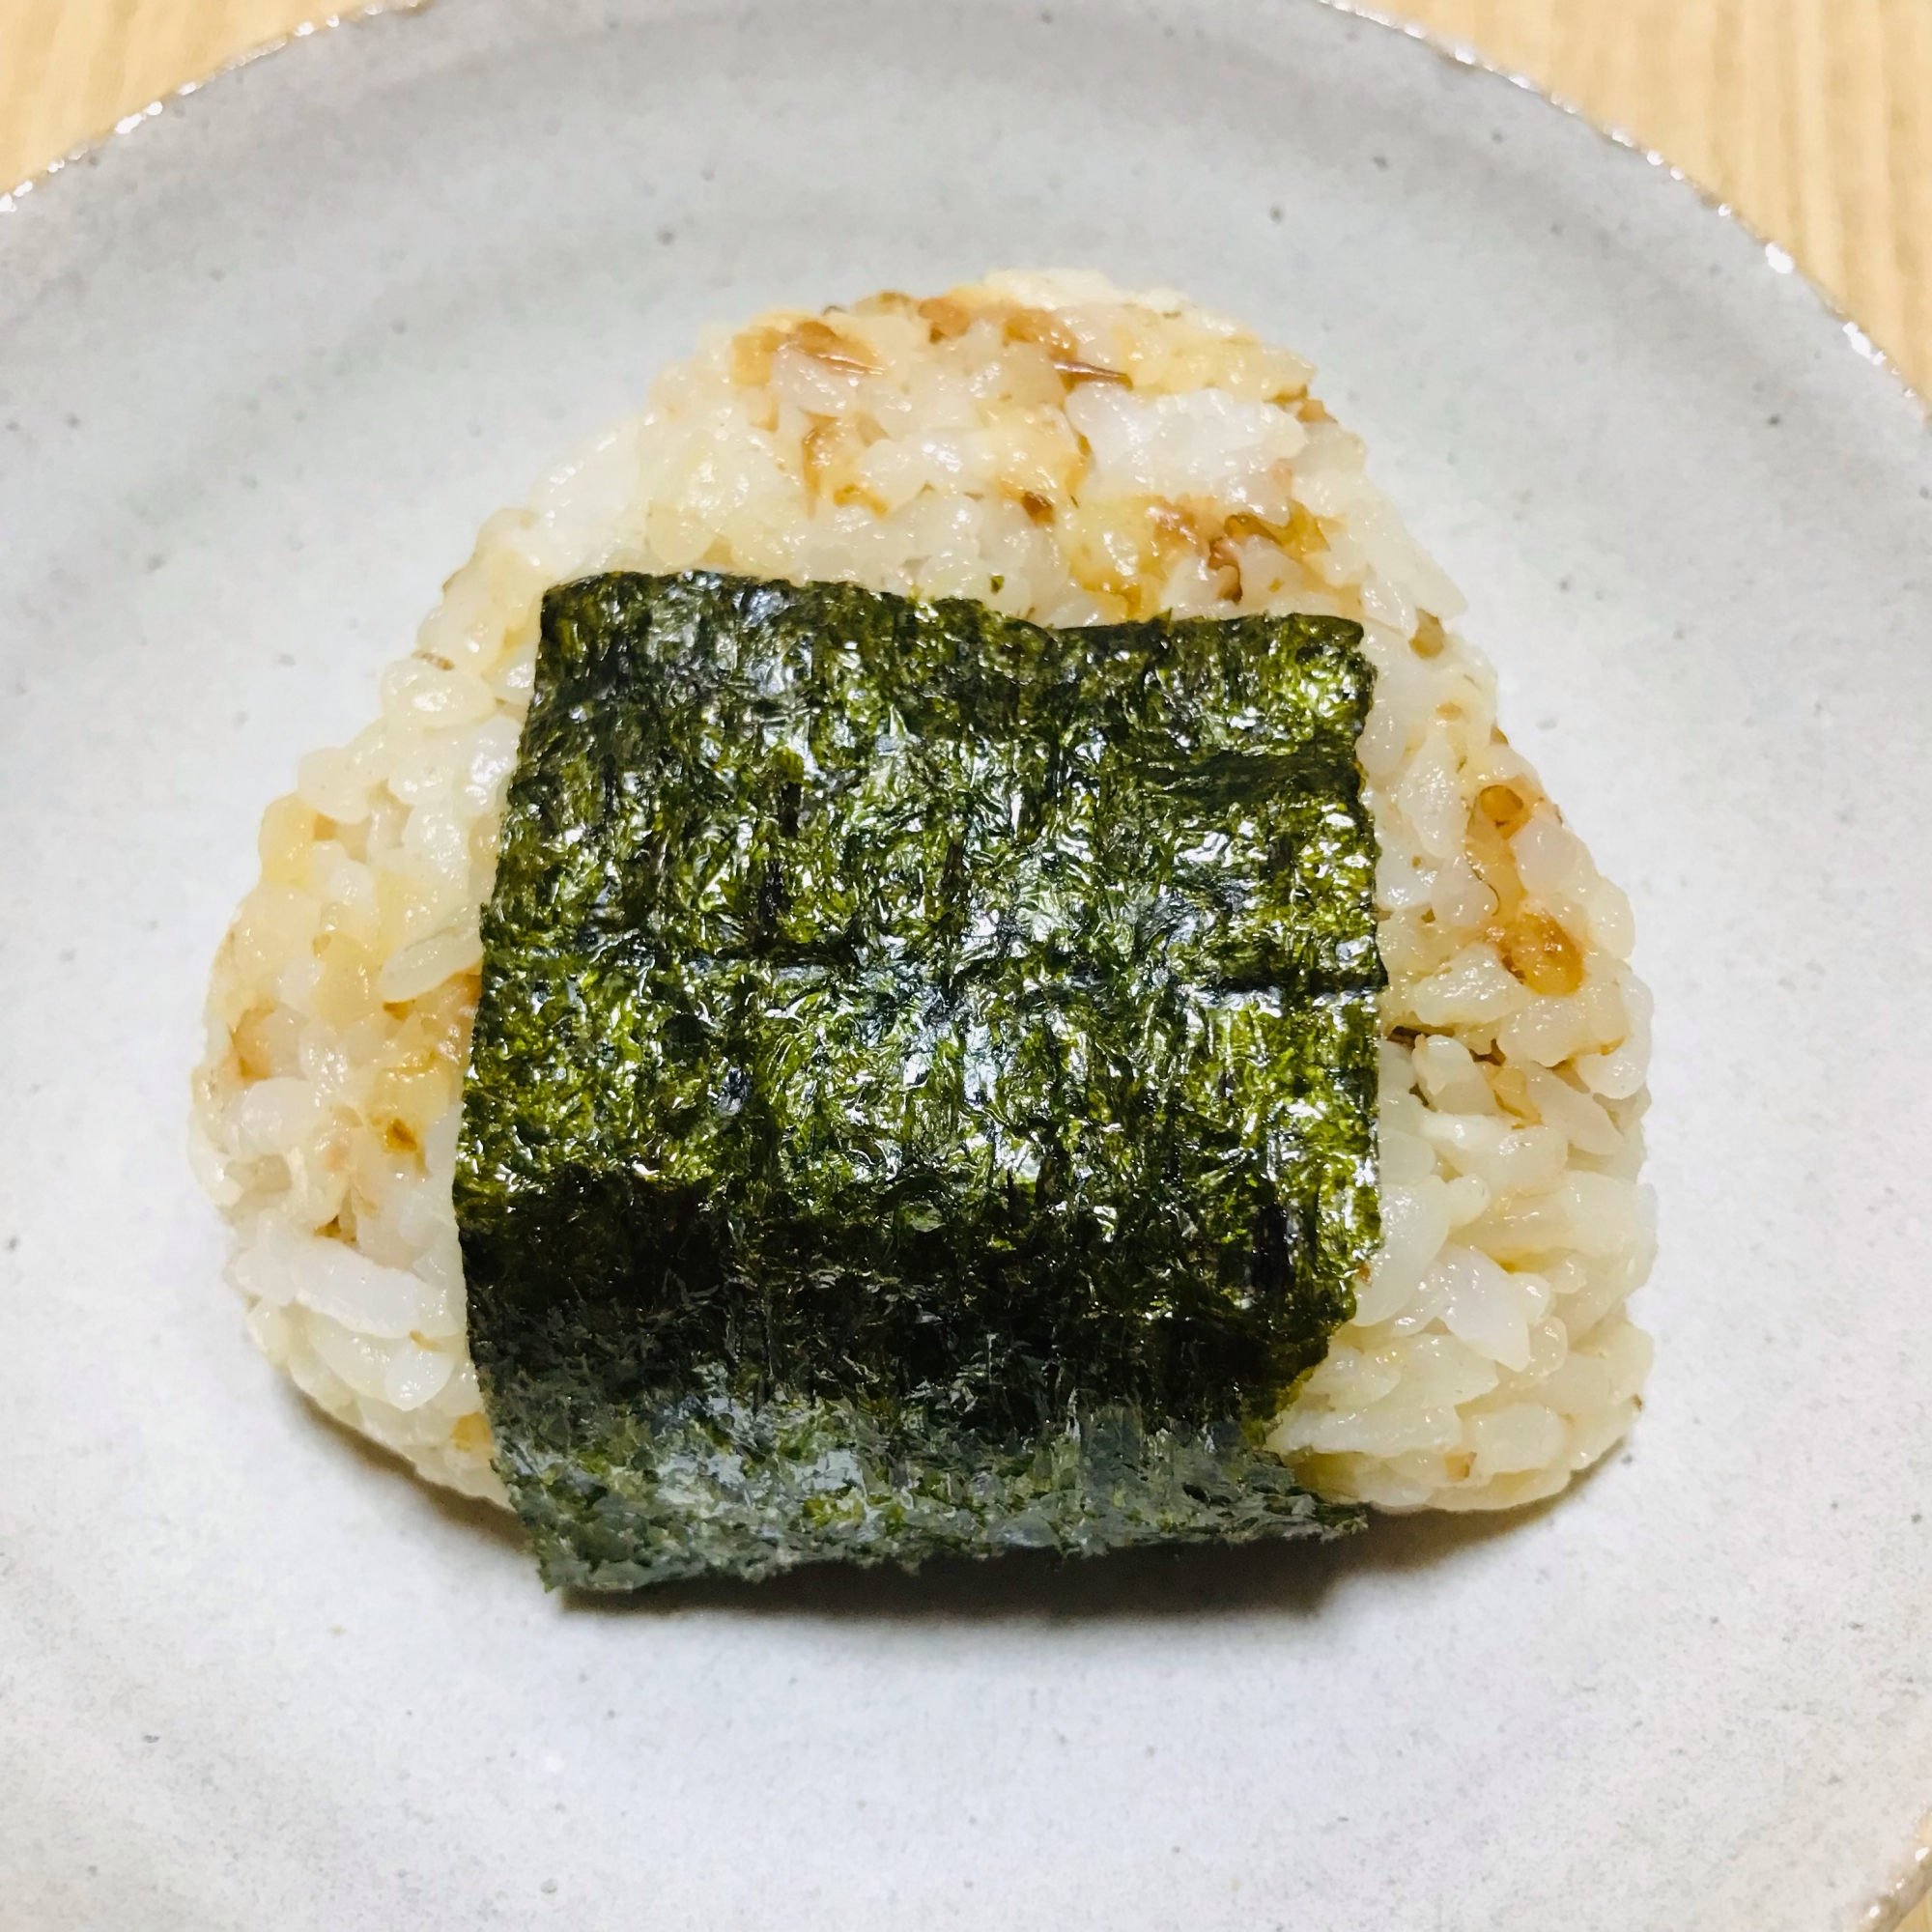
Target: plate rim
x,y
1907,1890
1452,48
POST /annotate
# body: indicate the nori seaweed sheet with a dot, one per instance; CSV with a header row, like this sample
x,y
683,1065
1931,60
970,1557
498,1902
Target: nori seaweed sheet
x,y
923,1094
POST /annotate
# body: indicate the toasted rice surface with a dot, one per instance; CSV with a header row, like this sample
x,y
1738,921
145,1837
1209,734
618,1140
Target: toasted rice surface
x,y
1059,450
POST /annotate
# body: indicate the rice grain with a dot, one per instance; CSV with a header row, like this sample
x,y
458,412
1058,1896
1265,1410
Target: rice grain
x,y
1059,450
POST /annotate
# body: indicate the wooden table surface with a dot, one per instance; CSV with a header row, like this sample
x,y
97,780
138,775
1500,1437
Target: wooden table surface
x,y
1812,117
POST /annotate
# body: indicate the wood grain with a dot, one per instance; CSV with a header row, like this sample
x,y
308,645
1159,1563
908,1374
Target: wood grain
x,y
1812,117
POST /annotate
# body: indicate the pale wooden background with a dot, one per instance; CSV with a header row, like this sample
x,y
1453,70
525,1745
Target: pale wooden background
x,y
1812,118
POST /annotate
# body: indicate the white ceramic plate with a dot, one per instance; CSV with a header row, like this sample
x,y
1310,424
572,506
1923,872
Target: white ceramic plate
x,y
262,369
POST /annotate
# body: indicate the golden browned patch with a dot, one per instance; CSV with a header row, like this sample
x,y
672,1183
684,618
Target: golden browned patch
x,y
1175,521
254,1048
752,352
1106,554
1494,864
353,838
946,317
1126,549
1301,536
818,339
817,450
1062,348
1245,524
1038,507
888,301
1430,636
1310,410
1505,807
409,1096
1541,954
1077,371
470,1434
1305,535
1226,564
1039,324
827,453
444,1015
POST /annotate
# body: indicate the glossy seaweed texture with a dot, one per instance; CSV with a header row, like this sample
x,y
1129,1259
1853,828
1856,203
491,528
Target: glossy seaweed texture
x,y
923,1094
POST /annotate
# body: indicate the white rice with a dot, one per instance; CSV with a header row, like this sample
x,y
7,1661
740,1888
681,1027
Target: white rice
x,y
1062,451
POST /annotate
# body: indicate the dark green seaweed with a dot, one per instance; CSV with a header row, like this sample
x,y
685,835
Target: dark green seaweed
x,y
923,1094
